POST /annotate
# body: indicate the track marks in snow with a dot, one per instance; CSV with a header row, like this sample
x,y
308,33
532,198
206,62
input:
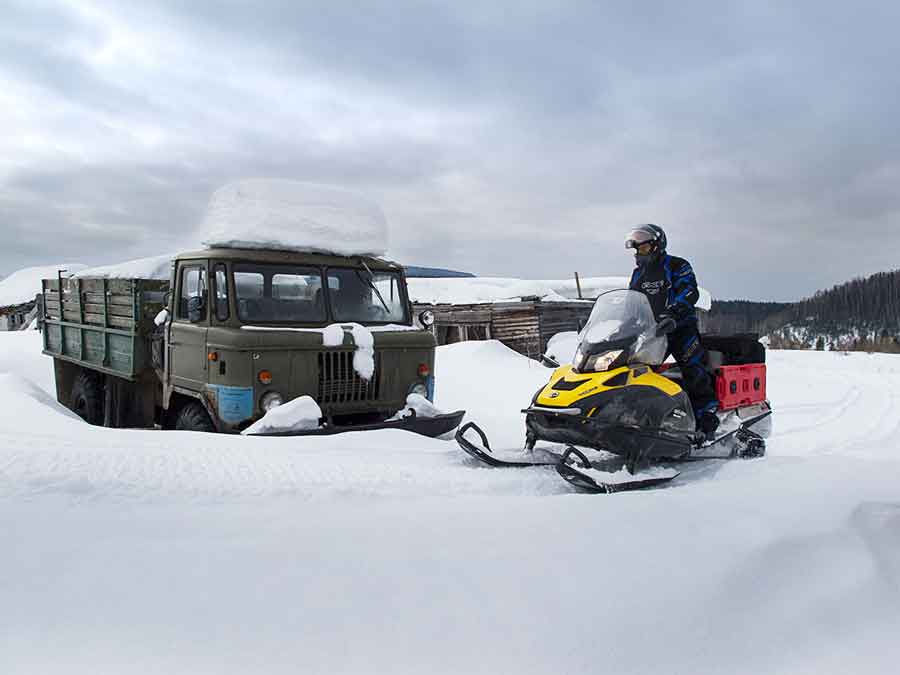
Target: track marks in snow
x,y
834,404
147,465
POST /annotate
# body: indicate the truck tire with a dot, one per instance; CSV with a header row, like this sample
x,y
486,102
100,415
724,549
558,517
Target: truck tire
x,y
87,398
193,417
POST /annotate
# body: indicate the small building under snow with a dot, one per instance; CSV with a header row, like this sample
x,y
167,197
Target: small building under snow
x,y
15,317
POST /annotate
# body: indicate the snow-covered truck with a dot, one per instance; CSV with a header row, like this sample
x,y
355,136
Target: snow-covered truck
x,y
240,328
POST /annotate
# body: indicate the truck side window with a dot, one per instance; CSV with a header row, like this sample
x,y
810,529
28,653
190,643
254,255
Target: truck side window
x,y
193,284
222,312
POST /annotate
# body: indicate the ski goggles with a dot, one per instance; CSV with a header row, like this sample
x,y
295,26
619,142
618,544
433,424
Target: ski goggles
x,y
643,247
638,238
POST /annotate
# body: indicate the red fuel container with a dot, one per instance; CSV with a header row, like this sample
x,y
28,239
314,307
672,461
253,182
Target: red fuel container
x,y
738,386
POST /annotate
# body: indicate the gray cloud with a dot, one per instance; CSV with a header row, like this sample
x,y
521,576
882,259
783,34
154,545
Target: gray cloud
x,y
519,139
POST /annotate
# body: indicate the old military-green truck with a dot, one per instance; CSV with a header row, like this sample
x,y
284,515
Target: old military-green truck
x,y
244,331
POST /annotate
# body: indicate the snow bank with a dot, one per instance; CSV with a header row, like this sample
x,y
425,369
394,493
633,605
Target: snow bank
x,y
130,551
154,267
21,286
293,216
301,414
472,290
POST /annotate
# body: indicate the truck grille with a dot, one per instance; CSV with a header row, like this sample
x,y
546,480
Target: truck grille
x,y
339,383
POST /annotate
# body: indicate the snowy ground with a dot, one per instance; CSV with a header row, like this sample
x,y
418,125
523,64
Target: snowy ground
x,y
148,551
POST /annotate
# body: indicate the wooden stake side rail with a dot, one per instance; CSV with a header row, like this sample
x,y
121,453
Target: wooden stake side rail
x,y
103,324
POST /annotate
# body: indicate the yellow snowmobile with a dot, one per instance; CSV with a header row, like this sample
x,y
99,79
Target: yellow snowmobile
x,y
618,397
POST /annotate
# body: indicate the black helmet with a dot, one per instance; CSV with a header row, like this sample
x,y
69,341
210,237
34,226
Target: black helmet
x,y
644,233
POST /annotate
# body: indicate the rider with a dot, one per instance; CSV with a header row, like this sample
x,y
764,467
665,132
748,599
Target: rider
x,y
671,287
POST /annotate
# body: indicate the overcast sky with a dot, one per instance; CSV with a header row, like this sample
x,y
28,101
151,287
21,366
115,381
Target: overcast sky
x,y
507,139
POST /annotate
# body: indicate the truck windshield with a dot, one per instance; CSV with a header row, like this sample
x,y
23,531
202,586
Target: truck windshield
x,y
366,296
279,293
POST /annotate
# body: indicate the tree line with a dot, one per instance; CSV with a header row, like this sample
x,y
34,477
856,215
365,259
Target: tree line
x,y
862,314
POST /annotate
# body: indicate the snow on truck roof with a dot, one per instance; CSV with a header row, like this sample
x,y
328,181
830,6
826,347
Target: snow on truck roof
x,y
293,216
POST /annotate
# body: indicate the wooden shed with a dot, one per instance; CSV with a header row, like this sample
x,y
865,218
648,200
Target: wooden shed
x,y
16,317
525,325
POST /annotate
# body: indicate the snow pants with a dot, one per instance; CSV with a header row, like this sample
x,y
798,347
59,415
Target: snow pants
x,y
684,345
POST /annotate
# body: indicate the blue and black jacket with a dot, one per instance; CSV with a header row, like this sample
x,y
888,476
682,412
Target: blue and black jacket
x,y
670,285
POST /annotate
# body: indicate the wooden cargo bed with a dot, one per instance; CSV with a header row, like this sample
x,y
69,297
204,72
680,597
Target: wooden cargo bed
x,y
100,323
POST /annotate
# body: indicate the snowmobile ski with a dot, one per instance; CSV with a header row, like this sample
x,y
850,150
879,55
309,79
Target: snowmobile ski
x,y
484,454
579,478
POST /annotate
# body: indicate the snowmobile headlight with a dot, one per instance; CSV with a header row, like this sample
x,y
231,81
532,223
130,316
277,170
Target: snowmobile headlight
x,y
578,359
600,362
270,400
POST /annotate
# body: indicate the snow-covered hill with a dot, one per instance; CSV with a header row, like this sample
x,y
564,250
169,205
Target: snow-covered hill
x,y
149,551
847,336
21,286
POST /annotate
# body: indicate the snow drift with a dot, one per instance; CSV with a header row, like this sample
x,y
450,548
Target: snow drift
x,y
293,216
149,551
21,286
300,414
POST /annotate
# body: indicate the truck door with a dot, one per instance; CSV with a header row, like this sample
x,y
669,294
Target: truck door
x,y
187,341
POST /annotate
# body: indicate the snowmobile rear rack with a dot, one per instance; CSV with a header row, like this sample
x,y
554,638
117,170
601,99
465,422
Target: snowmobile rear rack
x,y
426,426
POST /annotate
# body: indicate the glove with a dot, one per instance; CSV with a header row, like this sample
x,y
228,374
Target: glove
x,y
665,325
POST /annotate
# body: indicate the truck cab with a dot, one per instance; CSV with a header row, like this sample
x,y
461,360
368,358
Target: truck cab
x,y
250,329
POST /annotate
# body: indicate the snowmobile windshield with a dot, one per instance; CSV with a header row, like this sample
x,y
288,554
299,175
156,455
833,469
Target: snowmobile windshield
x,y
622,320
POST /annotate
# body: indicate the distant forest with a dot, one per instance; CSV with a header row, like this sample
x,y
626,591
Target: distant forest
x,y
860,315
745,316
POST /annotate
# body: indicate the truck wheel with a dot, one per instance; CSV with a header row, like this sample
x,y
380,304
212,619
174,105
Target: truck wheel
x,y
87,398
193,417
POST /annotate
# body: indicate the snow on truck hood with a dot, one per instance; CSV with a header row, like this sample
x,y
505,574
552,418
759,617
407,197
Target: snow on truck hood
x,y
293,216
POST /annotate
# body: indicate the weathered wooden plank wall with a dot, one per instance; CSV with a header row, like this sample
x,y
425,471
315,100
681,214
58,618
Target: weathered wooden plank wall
x,y
524,326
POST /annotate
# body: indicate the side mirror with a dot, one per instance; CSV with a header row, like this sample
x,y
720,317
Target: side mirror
x,y
549,361
196,308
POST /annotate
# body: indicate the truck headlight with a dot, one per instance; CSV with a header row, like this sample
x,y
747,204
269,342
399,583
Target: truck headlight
x,y
419,388
426,318
270,400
